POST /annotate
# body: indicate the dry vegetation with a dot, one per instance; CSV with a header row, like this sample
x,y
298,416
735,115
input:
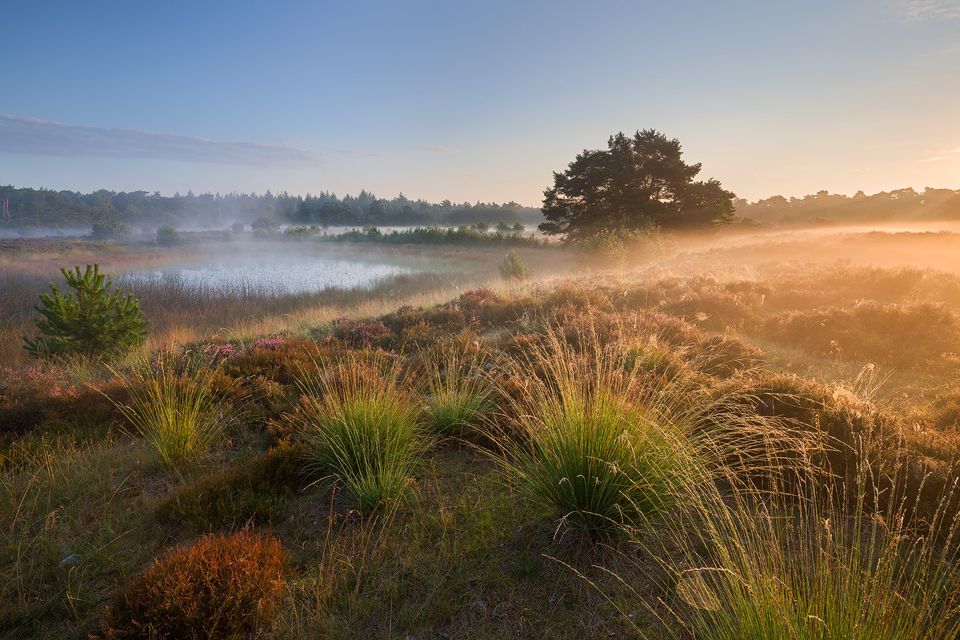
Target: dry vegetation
x,y
706,446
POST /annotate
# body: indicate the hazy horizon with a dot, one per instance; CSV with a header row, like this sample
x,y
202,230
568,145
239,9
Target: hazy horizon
x,y
477,102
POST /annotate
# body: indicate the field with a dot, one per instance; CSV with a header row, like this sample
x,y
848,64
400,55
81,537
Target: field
x,y
719,436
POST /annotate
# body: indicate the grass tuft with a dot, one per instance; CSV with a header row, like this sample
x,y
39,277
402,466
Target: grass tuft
x,y
360,425
810,563
585,443
458,395
178,406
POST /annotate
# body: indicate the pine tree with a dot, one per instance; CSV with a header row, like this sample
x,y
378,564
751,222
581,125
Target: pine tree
x,y
91,320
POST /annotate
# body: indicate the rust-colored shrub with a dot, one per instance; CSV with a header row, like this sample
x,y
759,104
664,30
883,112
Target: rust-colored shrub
x,y
220,587
279,361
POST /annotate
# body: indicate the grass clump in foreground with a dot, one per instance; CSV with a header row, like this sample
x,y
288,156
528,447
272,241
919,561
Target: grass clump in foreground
x,y
221,587
815,563
360,425
458,395
178,406
586,442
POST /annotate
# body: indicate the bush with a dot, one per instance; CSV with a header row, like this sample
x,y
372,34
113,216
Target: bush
x,y
167,236
907,335
265,225
945,411
109,230
221,587
178,406
360,333
360,425
723,356
255,491
513,267
91,320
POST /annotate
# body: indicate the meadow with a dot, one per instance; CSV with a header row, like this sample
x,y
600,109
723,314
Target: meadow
x,y
743,435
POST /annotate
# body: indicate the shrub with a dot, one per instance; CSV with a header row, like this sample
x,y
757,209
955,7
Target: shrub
x,y
175,405
167,236
723,356
91,320
584,448
256,491
265,226
513,267
945,411
360,425
901,335
221,587
360,333
458,393
832,421
109,230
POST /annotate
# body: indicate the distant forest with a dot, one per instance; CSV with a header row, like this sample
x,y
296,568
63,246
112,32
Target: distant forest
x,y
33,208
42,208
901,205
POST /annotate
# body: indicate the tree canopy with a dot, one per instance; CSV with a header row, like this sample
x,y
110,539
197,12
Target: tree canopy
x,y
634,184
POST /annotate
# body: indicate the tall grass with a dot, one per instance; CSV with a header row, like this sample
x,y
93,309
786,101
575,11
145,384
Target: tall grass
x,y
361,425
178,406
586,440
458,394
816,562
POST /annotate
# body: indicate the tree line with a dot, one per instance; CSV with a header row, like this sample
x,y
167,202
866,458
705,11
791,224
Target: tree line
x,y
899,205
27,208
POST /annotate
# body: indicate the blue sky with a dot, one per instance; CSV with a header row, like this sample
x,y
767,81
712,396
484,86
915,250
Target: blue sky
x,y
475,100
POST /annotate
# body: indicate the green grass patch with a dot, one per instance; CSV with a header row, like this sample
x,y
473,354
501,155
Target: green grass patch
x,y
258,491
360,425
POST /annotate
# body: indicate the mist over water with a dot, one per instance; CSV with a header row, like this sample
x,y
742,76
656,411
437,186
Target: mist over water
x,y
277,278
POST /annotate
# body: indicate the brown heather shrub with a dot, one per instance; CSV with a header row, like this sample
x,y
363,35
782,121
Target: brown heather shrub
x,y
705,300
254,491
907,335
442,316
944,411
278,362
578,295
32,396
723,356
810,406
220,587
841,422
361,333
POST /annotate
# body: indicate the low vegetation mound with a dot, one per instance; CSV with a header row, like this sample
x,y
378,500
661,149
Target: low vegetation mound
x,y
907,335
254,491
220,587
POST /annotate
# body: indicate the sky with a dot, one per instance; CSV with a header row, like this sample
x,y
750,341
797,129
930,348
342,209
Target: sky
x,y
474,100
